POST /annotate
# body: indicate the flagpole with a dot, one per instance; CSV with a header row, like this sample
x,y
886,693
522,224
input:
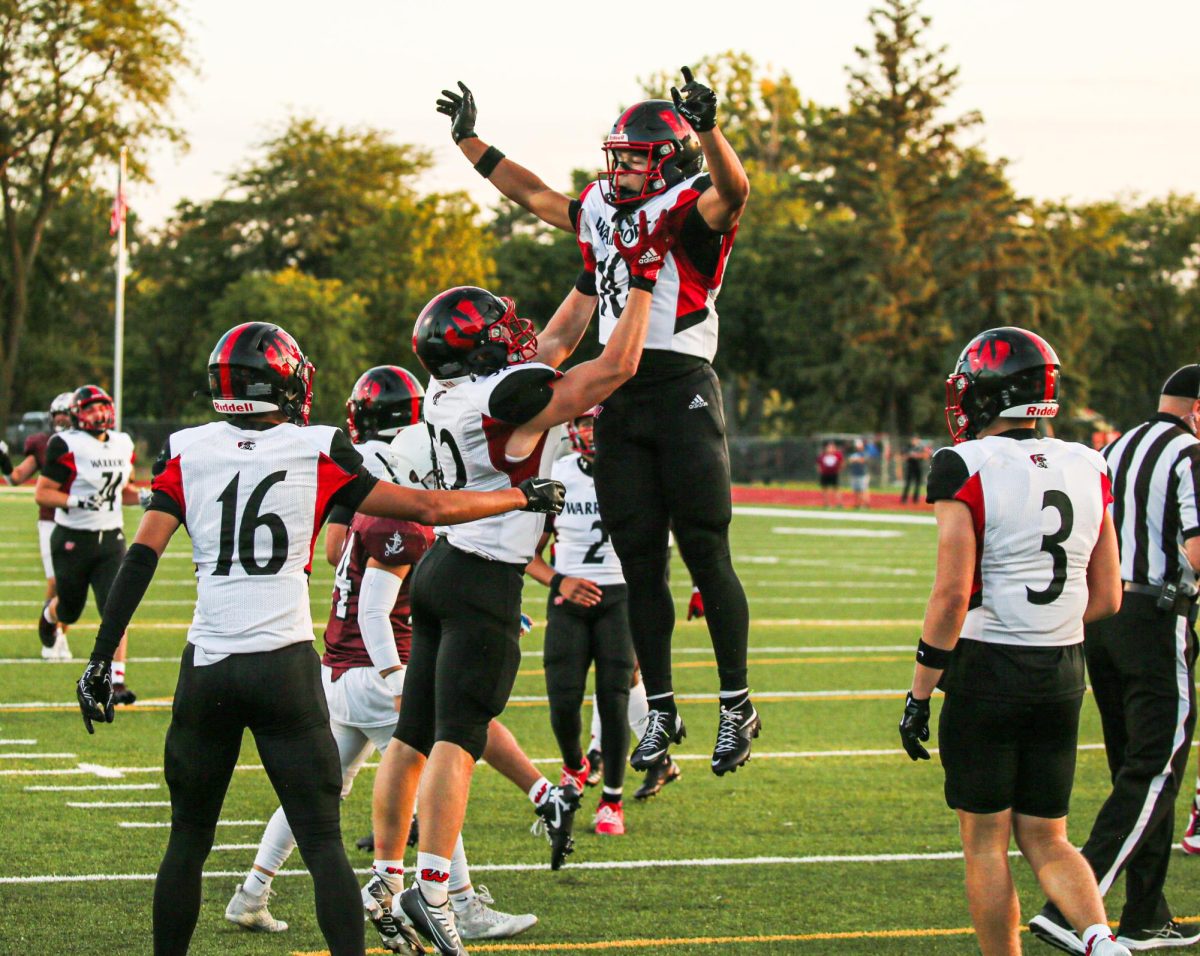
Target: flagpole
x,y
119,309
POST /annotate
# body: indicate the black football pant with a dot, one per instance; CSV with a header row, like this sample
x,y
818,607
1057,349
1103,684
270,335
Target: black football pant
x,y
913,474
1140,663
575,637
84,559
278,696
662,463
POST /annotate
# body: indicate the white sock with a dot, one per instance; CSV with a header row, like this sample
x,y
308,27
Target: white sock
x,y
594,743
539,791
433,877
1097,931
460,873
462,899
612,796
118,672
274,848
639,707
391,872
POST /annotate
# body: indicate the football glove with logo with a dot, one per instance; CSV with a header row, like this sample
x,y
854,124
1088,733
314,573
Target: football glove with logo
x,y
95,692
697,105
544,495
695,605
646,256
462,112
914,727
90,503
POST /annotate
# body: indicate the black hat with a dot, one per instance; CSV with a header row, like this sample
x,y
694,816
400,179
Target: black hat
x,y
1183,383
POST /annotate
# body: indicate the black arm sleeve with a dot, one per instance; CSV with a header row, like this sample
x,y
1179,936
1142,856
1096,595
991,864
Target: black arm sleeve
x,y
54,469
947,474
339,514
700,242
574,208
522,395
351,494
161,501
127,592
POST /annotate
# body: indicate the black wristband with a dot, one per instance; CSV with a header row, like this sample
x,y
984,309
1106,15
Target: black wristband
x,y
126,594
585,282
488,162
936,657
556,583
641,282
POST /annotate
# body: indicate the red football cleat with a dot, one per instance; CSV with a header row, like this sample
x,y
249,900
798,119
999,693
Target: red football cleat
x,y
609,819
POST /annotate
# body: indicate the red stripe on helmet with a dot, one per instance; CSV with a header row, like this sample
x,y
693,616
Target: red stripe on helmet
x,y
1051,359
223,362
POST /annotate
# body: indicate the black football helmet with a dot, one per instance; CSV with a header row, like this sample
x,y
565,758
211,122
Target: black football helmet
x,y
655,128
384,400
580,434
92,410
1002,373
258,367
470,331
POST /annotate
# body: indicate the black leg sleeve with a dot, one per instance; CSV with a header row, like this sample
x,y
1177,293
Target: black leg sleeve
x,y
566,658
613,652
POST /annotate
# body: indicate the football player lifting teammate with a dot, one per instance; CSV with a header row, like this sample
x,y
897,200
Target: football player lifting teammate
x,y
86,480
254,490
1026,555
661,455
53,639
494,395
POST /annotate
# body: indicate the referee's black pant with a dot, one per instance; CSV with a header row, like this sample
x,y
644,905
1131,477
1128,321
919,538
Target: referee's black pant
x,y
1140,664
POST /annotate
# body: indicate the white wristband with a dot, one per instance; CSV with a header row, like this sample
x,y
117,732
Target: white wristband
x,y
395,682
72,501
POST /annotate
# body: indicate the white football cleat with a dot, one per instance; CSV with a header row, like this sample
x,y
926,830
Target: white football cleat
x,y
250,912
61,650
477,920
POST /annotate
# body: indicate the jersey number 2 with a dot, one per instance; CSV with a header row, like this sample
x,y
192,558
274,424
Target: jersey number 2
x,y
1052,545
251,521
593,555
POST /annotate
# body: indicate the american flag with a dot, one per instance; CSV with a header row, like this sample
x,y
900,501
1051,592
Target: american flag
x,y
119,208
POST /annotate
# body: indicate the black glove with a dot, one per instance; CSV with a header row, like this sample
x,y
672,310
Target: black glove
x,y
699,108
6,465
545,495
94,691
462,112
914,727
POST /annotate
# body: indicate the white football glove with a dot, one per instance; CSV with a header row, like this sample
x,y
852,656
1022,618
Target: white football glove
x,y
90,503
145,496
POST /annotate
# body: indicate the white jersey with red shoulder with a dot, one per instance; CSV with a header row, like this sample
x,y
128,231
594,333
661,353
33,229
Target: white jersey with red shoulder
x,y
582,548
470,421
87,467
1037,505
253,502
683,312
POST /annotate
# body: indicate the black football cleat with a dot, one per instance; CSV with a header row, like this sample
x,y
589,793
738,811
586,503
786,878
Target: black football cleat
x,y
47,632
1052,928
736,729
664,772
435,923
556,817
596,762
366,842
395,935
123,695
663,728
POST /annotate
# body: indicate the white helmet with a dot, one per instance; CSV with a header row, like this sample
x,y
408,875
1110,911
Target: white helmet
x,y
413,461
61,406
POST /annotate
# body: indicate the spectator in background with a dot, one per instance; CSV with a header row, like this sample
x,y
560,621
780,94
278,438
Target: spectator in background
x,y
860,478
915,457
829,467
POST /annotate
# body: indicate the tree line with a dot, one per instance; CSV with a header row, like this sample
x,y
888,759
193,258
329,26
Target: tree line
x,y
879,237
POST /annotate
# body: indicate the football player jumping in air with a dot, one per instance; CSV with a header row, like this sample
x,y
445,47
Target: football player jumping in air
x,y
661,456
53,640
494,395
254,490
86,480
1026,555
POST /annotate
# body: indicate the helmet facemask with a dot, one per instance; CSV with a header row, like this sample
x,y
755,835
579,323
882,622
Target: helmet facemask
x,y
658,173
95,417
581,432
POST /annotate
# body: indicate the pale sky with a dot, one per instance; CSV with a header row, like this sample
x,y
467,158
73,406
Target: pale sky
x,y
1089,100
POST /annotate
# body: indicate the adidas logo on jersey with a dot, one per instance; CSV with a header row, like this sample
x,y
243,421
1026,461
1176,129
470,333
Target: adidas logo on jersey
x,y
698,402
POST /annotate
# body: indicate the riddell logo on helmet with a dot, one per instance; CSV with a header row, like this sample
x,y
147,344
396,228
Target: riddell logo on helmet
x,y
1041,411
227,407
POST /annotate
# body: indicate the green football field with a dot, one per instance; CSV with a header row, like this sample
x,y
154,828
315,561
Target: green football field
x,y
829,841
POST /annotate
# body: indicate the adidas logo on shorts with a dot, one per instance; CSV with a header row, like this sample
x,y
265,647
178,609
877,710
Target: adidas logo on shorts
x,y
698,402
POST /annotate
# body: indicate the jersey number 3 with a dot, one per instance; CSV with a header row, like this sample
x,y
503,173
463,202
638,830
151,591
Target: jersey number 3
x,y
252,520
1052,544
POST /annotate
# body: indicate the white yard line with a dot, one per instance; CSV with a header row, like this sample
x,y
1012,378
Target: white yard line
x,y
19,756
18,743
92,787
830,533
865,517
135,825
120,804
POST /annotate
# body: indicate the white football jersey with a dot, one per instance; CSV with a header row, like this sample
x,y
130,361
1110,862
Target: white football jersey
x,y
1037,505
683,312
378,458
469,443
87,467
253,503
581,545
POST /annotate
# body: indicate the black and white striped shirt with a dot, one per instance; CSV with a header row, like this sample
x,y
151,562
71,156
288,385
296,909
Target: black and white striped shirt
x,y
1155,470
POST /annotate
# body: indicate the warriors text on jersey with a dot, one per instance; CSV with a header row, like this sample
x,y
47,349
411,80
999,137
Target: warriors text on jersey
x,y
87,467
581,545
390,542
470,422
683,312
253,502
1037,505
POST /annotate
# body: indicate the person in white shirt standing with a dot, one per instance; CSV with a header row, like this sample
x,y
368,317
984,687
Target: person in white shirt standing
x,y
1026,554
254,491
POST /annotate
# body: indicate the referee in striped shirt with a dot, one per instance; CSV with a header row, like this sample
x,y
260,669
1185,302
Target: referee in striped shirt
x,y
1141,663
